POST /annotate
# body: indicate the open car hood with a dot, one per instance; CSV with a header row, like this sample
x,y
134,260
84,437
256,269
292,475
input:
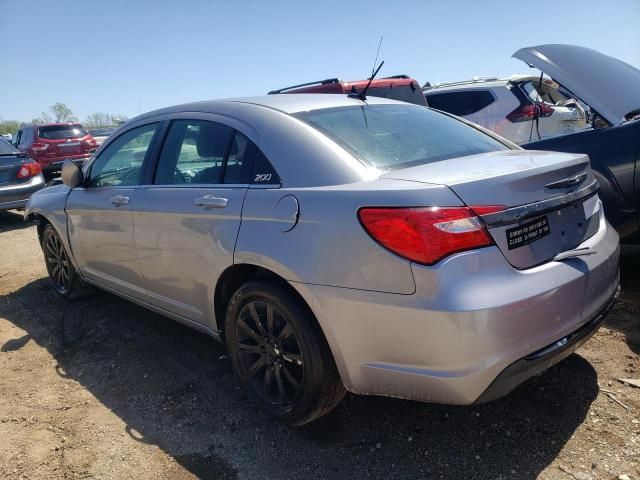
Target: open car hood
x,y
608,85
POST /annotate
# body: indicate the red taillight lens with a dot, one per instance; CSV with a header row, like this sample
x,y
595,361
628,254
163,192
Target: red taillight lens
x,y
91,142
529,112
28,170
427,234
39,147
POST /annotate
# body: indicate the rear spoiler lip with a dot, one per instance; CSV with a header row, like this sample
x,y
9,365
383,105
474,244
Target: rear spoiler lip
x,y
516,214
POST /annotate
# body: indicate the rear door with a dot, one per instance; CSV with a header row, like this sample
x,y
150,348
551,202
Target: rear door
x,y
99,213
187,220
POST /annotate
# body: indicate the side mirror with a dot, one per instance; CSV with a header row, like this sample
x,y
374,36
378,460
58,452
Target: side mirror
x,y
72,175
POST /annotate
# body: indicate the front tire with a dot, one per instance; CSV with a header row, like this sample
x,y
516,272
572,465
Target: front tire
x,y
62,273
279,355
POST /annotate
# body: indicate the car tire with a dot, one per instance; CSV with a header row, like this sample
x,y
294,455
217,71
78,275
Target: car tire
x,y
62,273
279,354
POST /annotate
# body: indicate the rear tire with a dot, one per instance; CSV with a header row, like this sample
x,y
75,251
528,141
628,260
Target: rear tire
x,y
62,273
279,355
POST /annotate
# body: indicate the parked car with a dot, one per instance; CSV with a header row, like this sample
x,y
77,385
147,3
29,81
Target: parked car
x,y
611,88
100,134
7,137
336,244
51,144
19,177
521,108
398,87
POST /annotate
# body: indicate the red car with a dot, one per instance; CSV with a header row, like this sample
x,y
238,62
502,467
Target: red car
x,y
398,87
51,144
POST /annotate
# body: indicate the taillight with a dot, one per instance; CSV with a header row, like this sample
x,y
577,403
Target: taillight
x,y
39,147
529,112
28,170
427,234
91,142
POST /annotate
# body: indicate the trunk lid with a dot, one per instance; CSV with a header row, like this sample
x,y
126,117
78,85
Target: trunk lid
x,y
608,85
544,195
9,167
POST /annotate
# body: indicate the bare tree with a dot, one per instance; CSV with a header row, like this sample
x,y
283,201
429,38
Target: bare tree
x,y
101,119
62,113
43,118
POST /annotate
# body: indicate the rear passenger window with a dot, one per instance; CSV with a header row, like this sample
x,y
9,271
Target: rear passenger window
x,y
194,153
461,103
238,165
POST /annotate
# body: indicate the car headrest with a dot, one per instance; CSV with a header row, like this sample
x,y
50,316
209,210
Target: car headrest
x,y
211,141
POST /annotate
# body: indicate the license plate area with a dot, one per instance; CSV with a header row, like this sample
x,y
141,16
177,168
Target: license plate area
x,y
528,232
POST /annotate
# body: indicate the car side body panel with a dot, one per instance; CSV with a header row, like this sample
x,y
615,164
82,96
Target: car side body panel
x,y
344,254
49,203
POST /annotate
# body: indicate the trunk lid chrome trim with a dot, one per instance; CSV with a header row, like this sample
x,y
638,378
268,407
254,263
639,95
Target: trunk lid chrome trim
x,y
516,214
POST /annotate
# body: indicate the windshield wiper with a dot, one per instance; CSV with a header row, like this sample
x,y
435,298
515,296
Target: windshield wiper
x,y
14,154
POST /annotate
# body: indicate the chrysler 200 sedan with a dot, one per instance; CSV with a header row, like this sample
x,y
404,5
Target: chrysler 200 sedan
x,y
338,244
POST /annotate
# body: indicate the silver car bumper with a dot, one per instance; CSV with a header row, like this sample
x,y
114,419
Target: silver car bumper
x,y
472,316
17,195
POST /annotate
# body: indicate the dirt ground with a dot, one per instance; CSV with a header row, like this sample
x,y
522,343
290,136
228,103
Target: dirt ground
x,y
101,388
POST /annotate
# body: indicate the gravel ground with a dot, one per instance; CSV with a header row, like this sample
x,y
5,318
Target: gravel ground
x,y
101,388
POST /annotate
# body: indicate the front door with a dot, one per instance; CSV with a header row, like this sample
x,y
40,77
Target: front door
x,y
187,221
99,214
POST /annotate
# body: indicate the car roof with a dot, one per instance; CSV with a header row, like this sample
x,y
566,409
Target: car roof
x,y
284,103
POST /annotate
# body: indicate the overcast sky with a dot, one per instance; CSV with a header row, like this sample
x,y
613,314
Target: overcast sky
x,y
126,56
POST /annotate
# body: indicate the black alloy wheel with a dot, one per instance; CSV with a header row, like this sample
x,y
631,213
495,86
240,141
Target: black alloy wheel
x,y
270,354
279,353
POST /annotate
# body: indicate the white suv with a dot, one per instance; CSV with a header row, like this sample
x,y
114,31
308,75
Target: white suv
x,y
520,108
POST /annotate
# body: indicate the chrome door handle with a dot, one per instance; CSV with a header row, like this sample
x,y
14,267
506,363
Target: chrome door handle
x,y
119,200
211,201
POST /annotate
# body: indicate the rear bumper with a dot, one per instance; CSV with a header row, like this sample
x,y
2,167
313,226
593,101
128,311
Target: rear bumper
x,y
546,357
472,316
16,196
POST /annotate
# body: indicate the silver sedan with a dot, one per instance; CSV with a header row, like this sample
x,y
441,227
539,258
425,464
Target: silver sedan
x,y
20,176
339,244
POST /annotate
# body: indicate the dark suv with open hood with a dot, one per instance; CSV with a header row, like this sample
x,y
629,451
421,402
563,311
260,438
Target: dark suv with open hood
x,y
611,89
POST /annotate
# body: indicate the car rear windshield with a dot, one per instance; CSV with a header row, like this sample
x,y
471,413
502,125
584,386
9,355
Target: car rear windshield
x,y
399,136
61,132
5,148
